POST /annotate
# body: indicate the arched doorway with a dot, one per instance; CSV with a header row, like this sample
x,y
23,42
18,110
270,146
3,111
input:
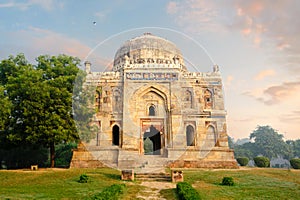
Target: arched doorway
x,y
190,136
153,135
116,135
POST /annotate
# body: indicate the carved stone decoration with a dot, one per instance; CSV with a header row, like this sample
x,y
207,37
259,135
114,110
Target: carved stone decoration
x,y
152,112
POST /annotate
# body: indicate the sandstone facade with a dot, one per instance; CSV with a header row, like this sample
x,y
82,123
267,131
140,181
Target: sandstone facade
x,y
151,109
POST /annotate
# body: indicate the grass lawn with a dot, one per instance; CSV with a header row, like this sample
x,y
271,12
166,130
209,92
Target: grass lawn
x,y
55,183
251,183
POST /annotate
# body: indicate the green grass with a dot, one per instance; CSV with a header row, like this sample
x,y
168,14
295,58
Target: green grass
x,y
63,184
54,184
249,183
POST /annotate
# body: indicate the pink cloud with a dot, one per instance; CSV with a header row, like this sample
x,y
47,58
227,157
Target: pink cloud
x,y
276,94
280,93
36,41
268,24
264,73
172,7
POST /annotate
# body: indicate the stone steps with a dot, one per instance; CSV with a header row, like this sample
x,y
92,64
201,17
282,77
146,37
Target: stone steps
x,y
161,177
151,164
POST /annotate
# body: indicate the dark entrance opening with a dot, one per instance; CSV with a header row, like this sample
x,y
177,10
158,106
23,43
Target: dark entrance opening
x,y
152,141
116,135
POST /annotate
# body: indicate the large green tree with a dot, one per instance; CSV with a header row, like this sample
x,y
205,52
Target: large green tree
x,y
42,101
269,142
5,108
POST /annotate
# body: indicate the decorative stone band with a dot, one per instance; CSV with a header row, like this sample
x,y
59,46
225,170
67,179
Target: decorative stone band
x,y
151,76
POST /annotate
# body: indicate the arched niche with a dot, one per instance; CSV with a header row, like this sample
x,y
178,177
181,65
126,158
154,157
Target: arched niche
x,y
116,135
152,110
190,135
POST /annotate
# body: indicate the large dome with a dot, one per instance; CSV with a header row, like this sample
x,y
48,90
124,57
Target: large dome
x,y
149,48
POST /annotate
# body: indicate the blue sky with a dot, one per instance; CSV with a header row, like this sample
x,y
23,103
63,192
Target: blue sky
x,y
255,43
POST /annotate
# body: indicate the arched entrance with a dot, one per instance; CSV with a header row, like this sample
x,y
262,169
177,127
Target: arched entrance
x,y
116,135
152,137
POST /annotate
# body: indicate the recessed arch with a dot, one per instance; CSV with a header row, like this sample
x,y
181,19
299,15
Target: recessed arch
x,y
188,99
116,135
211,135
208,99
190,135
152,110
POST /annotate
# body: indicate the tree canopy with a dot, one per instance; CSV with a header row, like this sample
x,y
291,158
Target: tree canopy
x,y
267,142
38,100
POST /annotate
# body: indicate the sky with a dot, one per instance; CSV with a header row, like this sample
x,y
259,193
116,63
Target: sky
x,y
256,45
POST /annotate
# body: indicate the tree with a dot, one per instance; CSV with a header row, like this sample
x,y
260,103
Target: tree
x,y
230,142
83,107
294,148
5,109
42,102
9,67
245,150
268,142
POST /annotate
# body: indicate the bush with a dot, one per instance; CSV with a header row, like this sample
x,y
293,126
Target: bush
x,y
185,191
243,161
227,181
110,193
83,178
262,161
63,154
295,163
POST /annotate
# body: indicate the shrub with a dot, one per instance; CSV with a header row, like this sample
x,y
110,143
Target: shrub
x,y
295,163
185,191
227,181
243,161
262,161
63,154
110,193
83,178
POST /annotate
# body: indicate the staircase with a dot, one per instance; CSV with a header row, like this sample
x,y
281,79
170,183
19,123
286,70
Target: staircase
x,y
161,177
151,164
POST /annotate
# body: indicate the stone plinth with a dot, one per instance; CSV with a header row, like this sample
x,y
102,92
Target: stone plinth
x,y
127,175
177,176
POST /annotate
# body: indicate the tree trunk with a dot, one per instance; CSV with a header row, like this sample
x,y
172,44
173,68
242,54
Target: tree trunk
x,y
52,154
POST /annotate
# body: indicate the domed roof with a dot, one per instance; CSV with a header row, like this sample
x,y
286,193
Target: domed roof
x,y
148,47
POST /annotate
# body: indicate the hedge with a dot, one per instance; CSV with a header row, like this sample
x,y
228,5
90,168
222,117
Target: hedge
x,y
185,191
243,161
262,161
227,181
295,163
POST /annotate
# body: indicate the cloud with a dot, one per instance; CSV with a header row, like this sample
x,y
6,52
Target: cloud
x,y
268,24
263,74
45,4
194,15
276,94
172,7
228,81
292,117
281,92
36,41
102,15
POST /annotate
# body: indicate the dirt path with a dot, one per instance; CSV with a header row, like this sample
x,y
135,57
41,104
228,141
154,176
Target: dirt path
x,y
153,189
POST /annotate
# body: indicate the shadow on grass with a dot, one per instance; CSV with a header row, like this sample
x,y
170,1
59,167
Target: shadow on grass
x,y
112,176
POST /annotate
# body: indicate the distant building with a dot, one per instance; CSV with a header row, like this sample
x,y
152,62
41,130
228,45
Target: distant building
x,y
152,112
